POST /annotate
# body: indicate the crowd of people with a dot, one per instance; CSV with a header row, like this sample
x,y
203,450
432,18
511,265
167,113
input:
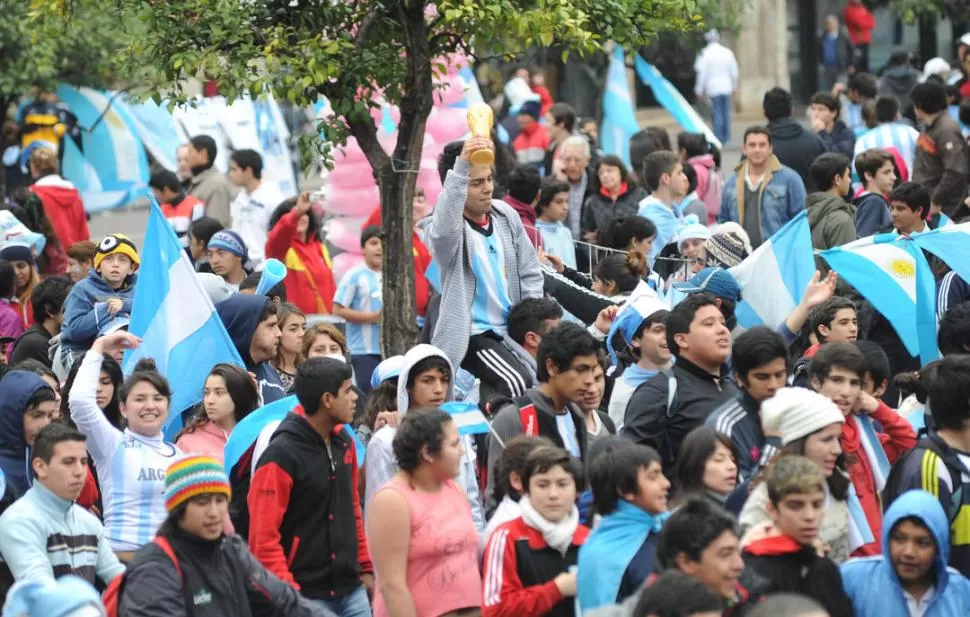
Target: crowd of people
x,y
583,430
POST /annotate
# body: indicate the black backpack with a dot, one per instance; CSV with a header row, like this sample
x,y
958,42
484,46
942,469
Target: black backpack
x,y
931,443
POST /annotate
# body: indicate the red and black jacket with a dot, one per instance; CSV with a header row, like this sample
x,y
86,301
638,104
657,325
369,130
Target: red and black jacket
x,y
305,517
520,569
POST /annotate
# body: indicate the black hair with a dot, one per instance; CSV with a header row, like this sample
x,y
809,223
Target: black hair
x,y
42,395
660,135
626,271
631,353
204,142
949,393
562,345
887,109
420,429
842,355
900,57
613,161
319,376
616,471
691,178
929,97
371,231
252,282
165,179
698,446
624,230
954,334
827,167
787,604
380,399
512,460
756,130
696,144
50,436
544,458
313,229
530,315
642,144
838,482
916,383
914,196
564,114
111,411
523,183
681,316
145,372
877,362
204,228
248,159
824,314
691,529
827,99
431,363
47,298
8,279
776,104
871,161
656,165
675,594
755,348
241,388
865,84
548,191
449,154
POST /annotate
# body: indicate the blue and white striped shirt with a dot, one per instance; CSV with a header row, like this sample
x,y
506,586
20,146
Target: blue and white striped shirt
x,y
360,290
131,467
891,134
852,116
491,304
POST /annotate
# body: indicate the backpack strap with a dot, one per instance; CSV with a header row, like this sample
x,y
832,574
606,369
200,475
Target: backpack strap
x,y
671,391
166,547
530,420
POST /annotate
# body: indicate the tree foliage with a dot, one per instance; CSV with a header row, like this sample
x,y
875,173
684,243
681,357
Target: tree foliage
x,y
912,10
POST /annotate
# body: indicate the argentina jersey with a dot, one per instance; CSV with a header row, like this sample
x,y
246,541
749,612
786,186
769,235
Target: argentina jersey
x,y
360,290
891,134
491,304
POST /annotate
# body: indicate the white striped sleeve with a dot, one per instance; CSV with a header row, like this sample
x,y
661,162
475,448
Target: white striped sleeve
x,y
494,566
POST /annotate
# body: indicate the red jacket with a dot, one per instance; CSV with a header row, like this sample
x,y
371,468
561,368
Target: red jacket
x,y
860,22
64,209
422,259
897,438
309,279
519,572
528,215
531,144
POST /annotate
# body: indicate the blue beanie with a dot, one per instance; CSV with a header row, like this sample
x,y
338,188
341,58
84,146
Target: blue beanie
x,y
52,599
17,251
228,240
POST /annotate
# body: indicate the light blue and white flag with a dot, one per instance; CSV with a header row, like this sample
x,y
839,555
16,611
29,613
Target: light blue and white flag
x,y
175,319
619,117
671,99
468,417
951,243
774,277
891,272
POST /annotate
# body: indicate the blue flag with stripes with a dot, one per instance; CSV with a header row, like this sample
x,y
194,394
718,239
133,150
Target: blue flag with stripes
x,y
619,118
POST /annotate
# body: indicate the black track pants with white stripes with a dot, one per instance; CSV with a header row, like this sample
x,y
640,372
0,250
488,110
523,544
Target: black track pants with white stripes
x,y
498,368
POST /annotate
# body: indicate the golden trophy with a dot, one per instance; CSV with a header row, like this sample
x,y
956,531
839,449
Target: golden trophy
x,y
480,124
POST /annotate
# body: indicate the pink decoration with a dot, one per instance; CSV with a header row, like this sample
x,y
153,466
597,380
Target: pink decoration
x,y
447,124
344,232
352,201
343,262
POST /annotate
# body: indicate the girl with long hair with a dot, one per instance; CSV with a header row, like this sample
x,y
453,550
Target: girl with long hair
x,y
228,396
289,354
706,466
294,239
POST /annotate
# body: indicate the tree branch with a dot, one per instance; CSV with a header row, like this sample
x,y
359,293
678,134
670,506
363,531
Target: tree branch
x,y
365,26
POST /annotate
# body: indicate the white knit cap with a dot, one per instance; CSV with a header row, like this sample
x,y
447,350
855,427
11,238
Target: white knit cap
x,y
798,412
694,231
935,66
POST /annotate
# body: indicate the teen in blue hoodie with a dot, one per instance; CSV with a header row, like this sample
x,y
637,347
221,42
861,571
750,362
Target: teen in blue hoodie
x,y
27,404
107,292
912,571
252,324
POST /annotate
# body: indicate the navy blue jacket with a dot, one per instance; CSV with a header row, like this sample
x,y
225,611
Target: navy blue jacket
x,y
241,313
16,388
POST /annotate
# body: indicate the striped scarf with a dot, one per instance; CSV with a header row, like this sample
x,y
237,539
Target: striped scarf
x,y
860,533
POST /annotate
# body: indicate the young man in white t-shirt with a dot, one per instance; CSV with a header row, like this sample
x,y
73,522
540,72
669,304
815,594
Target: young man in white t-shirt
x,y
254,205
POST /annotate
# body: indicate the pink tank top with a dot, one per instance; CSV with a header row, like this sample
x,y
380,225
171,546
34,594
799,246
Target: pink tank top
x,y
443,573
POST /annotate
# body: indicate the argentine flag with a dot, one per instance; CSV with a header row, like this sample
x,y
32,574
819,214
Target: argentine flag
x,y
774,277
951,243
175,319
619,119
468,417
891,272
673,101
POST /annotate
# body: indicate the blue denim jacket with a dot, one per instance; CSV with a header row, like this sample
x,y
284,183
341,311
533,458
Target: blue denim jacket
x,y
782,199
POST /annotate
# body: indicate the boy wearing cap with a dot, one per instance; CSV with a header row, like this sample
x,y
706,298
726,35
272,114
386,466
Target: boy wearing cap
x,y
644,331
359,301
106,293
227,256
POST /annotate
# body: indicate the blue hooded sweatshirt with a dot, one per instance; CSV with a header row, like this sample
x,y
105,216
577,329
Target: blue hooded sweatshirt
x,y
16,388
86,309
872,583
240,314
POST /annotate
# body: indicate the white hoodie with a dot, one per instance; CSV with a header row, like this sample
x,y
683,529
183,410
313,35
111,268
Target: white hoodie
x,y
381,464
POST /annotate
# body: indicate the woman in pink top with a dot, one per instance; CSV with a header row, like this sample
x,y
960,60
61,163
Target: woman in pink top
x,y
228,396
419,526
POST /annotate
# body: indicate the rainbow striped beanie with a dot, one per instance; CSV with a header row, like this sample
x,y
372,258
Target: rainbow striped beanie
x,y
193,476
